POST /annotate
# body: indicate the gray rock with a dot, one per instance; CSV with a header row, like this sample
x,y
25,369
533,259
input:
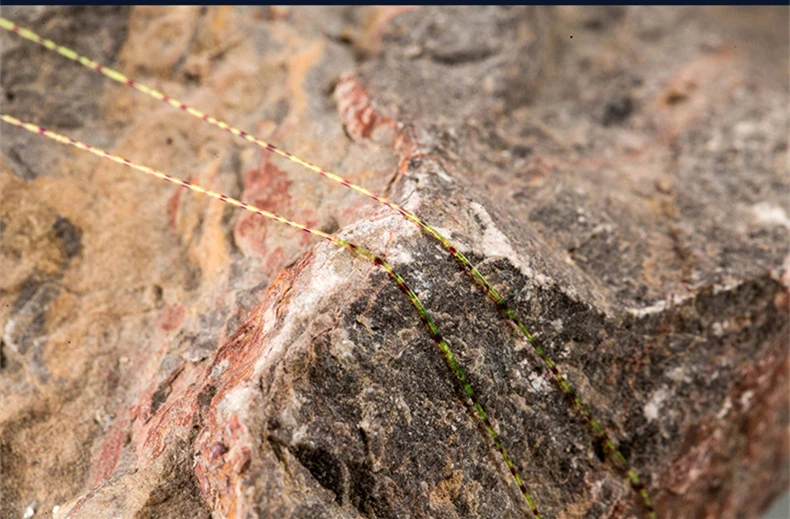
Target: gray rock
x,y
619,175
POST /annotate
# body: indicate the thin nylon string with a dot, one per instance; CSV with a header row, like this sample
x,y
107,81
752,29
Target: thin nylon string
x,y
600,433
376,260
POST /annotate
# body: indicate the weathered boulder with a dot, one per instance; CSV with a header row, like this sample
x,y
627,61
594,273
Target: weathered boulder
x,y
620,175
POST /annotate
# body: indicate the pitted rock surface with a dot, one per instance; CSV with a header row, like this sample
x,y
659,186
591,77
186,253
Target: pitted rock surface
x,y
620,175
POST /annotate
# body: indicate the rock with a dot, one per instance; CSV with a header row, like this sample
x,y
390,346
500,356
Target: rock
x,y
627,190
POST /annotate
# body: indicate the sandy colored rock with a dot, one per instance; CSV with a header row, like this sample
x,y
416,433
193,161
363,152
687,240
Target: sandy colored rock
x,y
619,174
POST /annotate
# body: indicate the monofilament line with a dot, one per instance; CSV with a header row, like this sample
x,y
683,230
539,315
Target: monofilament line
x,y
364,253
599,432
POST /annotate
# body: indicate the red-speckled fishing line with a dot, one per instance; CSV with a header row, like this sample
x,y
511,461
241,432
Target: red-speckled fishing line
x,y
565,386
599,431
376,260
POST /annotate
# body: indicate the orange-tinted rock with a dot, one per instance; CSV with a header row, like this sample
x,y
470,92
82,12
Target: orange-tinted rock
x,y
626,189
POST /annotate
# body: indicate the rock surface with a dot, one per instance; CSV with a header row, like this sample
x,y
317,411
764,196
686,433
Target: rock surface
x,y
619,174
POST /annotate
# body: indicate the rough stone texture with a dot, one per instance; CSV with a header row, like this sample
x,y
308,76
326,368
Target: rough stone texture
x,y
619,174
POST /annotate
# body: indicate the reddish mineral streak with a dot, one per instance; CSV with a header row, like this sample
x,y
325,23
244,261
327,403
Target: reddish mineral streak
x,y
269,186
356,109
220,475
172,207
172,317
107,461
360,119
